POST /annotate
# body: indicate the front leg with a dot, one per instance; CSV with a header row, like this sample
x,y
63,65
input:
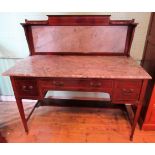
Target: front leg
x,y
22,113
135,121
139,107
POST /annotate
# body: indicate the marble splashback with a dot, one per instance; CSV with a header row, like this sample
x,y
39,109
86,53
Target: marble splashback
x,y
79,38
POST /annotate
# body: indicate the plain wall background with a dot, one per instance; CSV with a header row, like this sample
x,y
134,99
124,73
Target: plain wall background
x,y
13,45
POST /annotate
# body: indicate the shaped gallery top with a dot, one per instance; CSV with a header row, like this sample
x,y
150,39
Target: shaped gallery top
x,y
79,34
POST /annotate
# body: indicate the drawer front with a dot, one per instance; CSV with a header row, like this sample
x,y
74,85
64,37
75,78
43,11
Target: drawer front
x,y
76,84
100,85
26,87
127,90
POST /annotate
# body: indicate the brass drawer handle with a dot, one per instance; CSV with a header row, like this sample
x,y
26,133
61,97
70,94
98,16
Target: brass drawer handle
x,y
92,84
56,83
30,87
27,88
127,91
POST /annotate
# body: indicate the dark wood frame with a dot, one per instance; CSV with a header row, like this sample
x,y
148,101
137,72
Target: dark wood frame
x,y
79,20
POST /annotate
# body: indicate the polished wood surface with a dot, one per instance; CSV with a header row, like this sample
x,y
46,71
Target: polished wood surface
x,y
70,124
148,62
107,67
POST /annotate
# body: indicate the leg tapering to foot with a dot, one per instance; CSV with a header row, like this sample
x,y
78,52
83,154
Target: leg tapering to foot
x,y
22,114
137,114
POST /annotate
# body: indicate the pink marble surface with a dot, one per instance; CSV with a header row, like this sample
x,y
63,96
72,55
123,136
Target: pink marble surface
x,y
78,67
79,38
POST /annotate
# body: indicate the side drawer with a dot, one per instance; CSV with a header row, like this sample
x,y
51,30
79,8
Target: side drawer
x,y
127,90
26,87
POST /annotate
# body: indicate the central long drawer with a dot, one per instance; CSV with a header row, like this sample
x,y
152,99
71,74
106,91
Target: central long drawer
x,y
76,84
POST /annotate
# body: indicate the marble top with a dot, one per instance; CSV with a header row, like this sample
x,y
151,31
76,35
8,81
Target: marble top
x,y
113,67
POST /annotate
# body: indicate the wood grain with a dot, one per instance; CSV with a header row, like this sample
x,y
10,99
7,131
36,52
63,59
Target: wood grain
x,y
69,124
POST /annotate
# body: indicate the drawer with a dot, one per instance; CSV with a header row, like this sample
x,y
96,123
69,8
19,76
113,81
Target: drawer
x,y
99,85
26,87
127,90
76,84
